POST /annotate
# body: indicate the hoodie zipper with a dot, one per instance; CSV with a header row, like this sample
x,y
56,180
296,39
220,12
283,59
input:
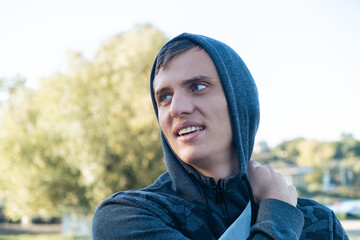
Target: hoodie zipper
x,y
217,186
217,190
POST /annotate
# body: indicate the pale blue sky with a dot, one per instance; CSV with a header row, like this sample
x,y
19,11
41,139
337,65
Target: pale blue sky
x,y
304,55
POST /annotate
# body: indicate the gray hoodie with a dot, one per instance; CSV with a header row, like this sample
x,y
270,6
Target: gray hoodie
x,y
183,204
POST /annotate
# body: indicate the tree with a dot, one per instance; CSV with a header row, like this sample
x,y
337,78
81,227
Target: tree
x,y
347,147
10,85
288,150
347,158
85,133
35,179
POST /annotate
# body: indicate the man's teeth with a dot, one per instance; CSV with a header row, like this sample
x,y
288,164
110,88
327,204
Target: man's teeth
x,y
189,130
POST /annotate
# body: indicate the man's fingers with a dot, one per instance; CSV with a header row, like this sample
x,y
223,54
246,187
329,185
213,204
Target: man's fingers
x,y
267,183
254,164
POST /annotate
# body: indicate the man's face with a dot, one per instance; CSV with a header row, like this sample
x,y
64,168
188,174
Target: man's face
x,y
192,108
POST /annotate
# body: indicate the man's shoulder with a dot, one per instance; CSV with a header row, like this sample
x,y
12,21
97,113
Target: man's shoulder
x,y
135,209
134,202
314,212
156,191
319,220
313,209
158,195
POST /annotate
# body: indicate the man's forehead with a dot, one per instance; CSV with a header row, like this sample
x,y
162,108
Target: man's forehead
x,y
187,65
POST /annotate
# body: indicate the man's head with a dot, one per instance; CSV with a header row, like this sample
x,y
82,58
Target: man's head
x,y
192,108
236,84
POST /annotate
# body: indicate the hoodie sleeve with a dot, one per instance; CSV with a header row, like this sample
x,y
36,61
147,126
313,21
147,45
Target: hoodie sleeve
x,y
112,222
277,220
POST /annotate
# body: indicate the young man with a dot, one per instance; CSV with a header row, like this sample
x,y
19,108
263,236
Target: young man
x,y
207,106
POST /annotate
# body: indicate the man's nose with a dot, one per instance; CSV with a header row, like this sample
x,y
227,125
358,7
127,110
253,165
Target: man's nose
x,y
181,105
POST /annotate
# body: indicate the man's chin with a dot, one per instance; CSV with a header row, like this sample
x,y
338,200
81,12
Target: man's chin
x,y
193,158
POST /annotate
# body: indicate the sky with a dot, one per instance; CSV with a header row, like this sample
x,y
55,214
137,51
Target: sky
x,y
304,55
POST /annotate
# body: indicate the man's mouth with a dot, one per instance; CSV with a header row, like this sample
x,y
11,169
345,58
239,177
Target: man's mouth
x,y
188,130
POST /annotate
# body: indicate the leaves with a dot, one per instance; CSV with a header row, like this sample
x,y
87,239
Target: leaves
x,y
85,133
339,158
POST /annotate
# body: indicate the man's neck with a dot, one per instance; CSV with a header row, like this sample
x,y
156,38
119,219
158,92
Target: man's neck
x,y
220,169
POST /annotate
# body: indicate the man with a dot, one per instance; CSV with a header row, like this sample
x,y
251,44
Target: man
x,y
207,106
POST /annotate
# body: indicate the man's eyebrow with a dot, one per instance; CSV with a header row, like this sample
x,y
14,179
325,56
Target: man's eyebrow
x,y
188,81
160,91
194,79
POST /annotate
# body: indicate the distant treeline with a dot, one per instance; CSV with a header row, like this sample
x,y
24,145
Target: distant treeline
x,y
338,159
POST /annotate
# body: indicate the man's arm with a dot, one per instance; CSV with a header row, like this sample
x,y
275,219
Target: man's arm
x,y
114,221
278,217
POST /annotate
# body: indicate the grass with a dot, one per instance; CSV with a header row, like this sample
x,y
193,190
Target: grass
x,y
38,237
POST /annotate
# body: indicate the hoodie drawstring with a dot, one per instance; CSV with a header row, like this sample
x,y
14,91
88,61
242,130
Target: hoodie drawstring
x,y
254,205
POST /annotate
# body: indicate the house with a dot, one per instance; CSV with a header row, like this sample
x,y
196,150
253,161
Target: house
x,y
294,175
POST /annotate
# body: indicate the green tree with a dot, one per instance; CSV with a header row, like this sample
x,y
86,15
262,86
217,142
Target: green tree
x,y
35,179
315,154
347,147
85,133
9,85
288,150
347,159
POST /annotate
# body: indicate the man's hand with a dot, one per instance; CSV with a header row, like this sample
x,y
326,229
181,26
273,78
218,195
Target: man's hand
x,y
266,183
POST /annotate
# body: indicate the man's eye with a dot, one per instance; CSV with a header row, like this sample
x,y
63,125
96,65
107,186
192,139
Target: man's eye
x,y
165,97
198,87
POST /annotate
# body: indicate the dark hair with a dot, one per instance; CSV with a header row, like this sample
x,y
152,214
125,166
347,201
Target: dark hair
x,y
171,50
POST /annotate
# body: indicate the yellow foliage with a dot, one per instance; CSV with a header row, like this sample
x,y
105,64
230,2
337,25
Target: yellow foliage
x,y
85,133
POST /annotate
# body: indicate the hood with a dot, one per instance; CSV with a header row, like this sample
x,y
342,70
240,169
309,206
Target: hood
x,y
243,105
